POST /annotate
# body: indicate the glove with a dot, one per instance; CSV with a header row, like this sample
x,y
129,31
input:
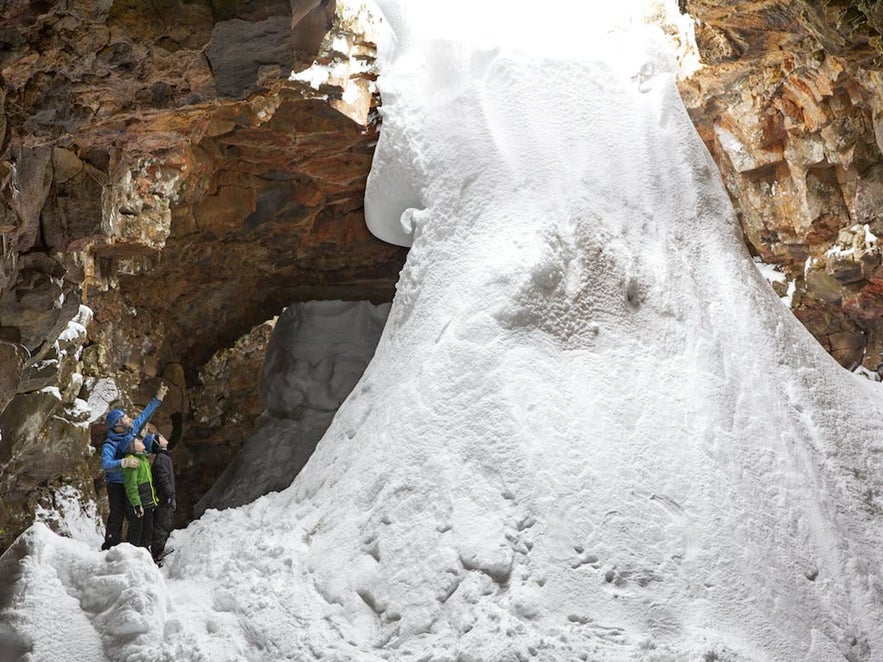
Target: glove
x,y
129,463
161,392
139,512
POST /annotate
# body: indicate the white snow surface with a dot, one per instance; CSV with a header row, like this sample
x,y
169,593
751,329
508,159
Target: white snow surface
x,y
590,429
102,393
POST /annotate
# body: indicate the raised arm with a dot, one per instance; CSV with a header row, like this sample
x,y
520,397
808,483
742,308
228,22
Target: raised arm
x,y
145,415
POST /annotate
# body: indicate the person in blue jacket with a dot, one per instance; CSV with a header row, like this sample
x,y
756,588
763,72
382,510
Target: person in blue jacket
x,y
121,431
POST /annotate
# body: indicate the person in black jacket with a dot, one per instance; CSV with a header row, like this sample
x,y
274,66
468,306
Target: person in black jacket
x,y
164,484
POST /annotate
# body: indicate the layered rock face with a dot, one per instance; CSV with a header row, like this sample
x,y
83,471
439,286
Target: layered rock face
x,y
166,187
789,103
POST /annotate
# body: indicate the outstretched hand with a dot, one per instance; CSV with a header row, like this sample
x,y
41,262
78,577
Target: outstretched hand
x,y
161,392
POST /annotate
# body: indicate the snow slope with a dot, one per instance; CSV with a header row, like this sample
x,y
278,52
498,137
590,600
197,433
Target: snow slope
x,y
590,429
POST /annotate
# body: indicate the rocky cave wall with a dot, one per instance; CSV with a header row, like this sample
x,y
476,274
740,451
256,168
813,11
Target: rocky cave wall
x,y
789,104
167,188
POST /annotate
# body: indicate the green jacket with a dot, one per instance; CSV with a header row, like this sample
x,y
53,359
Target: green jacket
x,y
139,483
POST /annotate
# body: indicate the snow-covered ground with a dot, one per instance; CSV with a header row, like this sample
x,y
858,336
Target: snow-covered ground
x,y
590,430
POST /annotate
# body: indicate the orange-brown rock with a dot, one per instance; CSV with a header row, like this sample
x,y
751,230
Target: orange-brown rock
x,y
788,103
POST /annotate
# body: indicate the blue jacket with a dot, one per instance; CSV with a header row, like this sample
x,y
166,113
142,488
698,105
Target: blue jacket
x,y
114,448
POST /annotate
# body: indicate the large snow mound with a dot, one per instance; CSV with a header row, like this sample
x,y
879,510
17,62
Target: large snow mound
x,y
589,431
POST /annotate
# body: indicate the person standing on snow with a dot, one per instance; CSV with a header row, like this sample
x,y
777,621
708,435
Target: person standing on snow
x,y
164,485
121,431
140,495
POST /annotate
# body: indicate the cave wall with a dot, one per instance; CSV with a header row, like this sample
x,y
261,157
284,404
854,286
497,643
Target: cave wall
x,y
789,105
166,187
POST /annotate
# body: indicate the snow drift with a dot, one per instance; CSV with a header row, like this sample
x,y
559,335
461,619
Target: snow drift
x,y
590,430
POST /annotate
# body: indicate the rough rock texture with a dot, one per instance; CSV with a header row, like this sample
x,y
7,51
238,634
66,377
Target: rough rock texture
x,y
159,166
226,407
789,105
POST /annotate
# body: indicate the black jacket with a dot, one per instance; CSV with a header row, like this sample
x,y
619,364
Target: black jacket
x,y
163,477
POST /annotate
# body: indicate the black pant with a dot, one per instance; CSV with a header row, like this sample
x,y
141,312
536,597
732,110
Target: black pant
x,y
162,527
140,528
116,497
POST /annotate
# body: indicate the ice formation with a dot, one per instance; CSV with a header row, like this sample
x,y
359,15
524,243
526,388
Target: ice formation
x,y
590,430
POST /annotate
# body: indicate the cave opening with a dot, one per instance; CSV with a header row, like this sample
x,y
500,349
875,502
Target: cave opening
x,y
314,354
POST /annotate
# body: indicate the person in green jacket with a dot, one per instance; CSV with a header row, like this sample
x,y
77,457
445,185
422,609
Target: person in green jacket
x,y
140,494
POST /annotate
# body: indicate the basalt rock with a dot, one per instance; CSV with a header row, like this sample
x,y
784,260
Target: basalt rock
x,y
226,408
789,104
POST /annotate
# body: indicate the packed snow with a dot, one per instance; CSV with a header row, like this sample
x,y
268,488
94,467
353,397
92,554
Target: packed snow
x,y
590,430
